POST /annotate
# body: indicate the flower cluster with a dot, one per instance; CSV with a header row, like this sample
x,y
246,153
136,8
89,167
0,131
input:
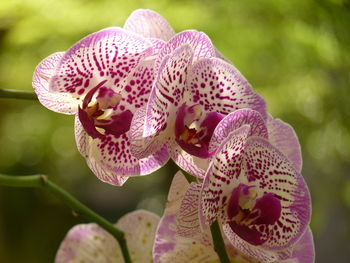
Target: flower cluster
x,y
142,94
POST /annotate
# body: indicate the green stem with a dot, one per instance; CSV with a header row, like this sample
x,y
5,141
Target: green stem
x,y
41,181
219,245
18,94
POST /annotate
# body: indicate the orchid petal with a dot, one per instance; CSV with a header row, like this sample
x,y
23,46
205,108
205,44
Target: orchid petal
x,y
149,24
220,87
256,252
165,237
165,241
157,45
188,217
235,120
278,176
138,141
168,91
139,228
169,246
110,54
109,155
221,56
220,173
81,137
61,103
304,250
184,250
254,162
191,164
90,244
265,168
198,41
110,158
284,138
176,193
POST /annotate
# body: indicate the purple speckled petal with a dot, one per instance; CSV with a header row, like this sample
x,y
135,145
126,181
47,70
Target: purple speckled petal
x,y
221,56
176,193
191,164
165,236
169,249
261,255
255,162
169,246
284,138
62,103
266,168
149,24
110,158
140,228
168,91
270,171
87,149
220,87
157,45
235,120
216,186
101,162
137,141
90,244
137,87
110,54
199,42
81,137
303,251
188,218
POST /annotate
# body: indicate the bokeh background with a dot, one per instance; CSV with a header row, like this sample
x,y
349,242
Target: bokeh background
x,y
295,53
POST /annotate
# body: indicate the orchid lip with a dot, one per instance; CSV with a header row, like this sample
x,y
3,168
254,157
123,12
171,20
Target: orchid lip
x,y
98,115
247,213
193,135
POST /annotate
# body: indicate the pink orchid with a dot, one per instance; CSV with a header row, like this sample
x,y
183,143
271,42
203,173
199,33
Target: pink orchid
x,y
194,89
253,186
104,79
91,244
180,238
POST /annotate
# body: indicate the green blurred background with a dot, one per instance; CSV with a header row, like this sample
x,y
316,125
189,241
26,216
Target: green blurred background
x,y
295,53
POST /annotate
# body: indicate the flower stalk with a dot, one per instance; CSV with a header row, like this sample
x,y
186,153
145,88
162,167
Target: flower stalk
x,y
18,94
42,181
219,245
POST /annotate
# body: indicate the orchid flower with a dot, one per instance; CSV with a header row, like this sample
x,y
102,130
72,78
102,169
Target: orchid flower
x,y
180,238
194,90
253,186
103,79
91,244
